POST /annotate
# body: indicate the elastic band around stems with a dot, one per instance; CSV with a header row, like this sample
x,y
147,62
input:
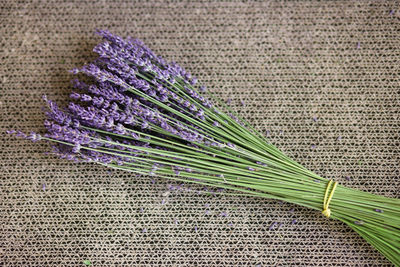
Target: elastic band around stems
x,y
327,211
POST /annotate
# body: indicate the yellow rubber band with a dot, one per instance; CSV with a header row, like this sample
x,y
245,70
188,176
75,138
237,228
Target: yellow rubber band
x,y
327,211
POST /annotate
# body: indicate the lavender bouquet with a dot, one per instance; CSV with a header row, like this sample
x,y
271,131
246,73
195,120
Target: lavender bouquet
x,y
147,116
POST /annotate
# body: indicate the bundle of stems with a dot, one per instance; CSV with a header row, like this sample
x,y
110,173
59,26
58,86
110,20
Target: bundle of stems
x,y
144,115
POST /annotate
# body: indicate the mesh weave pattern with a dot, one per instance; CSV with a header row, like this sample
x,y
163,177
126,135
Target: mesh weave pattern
x,y
320,79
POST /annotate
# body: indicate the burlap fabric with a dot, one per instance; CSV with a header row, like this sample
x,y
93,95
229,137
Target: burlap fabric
x,y
320,78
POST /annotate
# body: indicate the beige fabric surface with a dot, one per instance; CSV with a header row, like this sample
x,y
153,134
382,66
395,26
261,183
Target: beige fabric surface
x,y
321,77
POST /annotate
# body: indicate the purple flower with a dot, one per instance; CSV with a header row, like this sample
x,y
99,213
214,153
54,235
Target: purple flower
x,y
34,137
231,145
75,96
272,226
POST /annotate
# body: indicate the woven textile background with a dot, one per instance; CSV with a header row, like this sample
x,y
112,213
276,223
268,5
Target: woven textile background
x,y
321,79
